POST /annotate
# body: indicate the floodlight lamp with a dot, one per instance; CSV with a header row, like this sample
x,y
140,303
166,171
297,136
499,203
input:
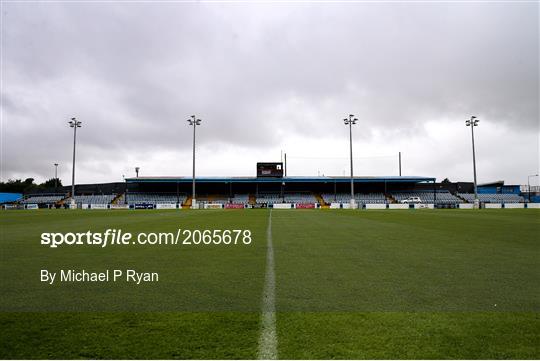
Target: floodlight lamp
x,y
355,119
351,115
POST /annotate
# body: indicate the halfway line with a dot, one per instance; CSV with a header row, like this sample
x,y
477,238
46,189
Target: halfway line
x,y
268,337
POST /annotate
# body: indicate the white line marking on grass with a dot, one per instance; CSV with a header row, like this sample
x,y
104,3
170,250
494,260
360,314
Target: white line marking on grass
x,y
268,337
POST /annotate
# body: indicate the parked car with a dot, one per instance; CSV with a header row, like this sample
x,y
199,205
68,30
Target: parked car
x,y
411,200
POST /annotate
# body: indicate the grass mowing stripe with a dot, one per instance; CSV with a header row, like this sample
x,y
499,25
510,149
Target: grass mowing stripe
x,y
268,338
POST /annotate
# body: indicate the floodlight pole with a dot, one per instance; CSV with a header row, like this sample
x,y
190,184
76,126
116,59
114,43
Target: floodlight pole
x,y
400,164
350,122
74,123
473,122
529,185
55,176
193,121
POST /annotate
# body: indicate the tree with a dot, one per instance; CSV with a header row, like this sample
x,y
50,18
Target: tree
x,y
28,185
18,186
51,183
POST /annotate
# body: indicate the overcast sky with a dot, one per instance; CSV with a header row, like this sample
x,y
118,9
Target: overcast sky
x,y
268,77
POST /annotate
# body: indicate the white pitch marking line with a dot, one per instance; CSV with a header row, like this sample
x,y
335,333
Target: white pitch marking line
x,y
268,337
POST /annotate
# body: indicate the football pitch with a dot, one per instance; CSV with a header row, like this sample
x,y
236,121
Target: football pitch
x,y
311,284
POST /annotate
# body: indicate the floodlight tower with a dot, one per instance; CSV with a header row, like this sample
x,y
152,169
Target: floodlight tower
x,y
55,176
473,122
74,123
137,171
529,184
350,122
193,121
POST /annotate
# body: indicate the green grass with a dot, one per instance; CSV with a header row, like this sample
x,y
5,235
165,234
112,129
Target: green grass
x,y
425,261
349,284
402,335
164,335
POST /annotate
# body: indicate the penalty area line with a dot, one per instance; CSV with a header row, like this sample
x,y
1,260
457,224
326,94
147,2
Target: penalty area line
x,y
268,337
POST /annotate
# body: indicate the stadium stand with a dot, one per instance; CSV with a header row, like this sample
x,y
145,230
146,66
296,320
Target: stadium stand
x,y
443,197
361,198
370,198
41,199
121,199
272,198
215,199
240,198
94,199
300,198
493,198
269,198
338,197
152,198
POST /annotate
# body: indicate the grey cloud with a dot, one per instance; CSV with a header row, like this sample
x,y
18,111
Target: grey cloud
x,y
133,72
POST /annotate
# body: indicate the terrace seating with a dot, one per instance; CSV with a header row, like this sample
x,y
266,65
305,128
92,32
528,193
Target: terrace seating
x,y
440,197
94,199
493,198
152,198
300,198
38,199
360,198
271,198
240,198
338,197
370,198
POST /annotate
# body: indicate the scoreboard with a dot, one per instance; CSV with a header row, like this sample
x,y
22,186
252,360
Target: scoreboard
x,y
274,170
